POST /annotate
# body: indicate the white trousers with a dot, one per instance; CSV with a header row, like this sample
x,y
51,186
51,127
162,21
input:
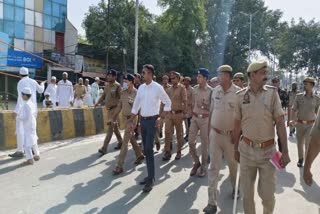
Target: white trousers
x,y
29,149
20,135
78,103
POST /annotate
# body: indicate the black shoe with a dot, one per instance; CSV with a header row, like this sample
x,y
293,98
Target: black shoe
x,y
144,181
233,194
148,187
300,163
16,155
102,152
160,135
166,156
186,138
118,147
210,209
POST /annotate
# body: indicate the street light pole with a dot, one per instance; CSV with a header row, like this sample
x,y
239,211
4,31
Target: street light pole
x,y
136,38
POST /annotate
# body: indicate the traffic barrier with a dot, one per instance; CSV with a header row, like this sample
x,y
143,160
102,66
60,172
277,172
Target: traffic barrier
x,y
57,124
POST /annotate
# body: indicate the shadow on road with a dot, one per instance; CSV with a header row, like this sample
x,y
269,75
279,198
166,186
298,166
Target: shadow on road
x,y
311,194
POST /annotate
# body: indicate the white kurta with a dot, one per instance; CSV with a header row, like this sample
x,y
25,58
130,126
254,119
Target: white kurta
x,y
95,92
64,93
52,91
87,100
27,115
35,87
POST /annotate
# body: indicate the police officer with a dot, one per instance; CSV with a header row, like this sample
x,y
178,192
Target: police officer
x,y
126,102
238,79
178,96
201,97
223,101
305,108
258,107
111,97
292,96
189,89
214,82
313,151
282,93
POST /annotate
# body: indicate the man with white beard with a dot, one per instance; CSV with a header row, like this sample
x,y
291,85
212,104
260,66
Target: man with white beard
x,y
64,92
34,87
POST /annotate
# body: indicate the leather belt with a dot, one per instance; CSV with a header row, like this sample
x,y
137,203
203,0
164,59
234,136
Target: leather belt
x,y
128,117
260,145
176,112
205,115
222,132
306,121
110,108
150,118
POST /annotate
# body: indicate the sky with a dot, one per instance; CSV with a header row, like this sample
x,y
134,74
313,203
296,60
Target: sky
x,y
307,9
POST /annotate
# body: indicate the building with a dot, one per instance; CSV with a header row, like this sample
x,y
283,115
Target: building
x,y
40,27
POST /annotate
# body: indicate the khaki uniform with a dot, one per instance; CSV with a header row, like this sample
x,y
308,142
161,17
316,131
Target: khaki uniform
x,y
292,97
158,131
174,119
306,108
201,98
189,109
315,131
111,97
126,102
223,105
257,113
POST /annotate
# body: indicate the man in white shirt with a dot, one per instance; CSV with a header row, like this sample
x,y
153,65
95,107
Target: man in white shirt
x,y
64,92
52,90
87,100
35,87
148,99
95,90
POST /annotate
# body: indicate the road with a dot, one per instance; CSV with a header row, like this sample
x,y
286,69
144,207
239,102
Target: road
x,y
71,178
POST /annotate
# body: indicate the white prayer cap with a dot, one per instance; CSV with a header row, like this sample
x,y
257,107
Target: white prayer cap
x,y
97,78
53,78
80,79
26,90
24,71
46,93
65,73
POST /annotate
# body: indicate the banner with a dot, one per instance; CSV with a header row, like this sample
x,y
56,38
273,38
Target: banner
x,y
23,59
3,48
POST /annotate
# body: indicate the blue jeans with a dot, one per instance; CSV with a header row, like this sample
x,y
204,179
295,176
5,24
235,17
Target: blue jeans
x,y
148,131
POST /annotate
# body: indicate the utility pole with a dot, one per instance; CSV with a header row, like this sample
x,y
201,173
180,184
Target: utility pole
x,y
136,38
108,36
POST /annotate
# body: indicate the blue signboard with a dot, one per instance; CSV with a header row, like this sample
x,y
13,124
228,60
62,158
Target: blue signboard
x,y
4,41
23,59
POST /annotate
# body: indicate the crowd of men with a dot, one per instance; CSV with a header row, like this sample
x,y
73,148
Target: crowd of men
x,y
237,121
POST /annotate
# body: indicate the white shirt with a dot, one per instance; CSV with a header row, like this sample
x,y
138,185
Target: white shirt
x,y
34,86
64,93
52,90
148,100
95,91
87,100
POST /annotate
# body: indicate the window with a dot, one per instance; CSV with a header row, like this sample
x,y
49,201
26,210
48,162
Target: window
x,y
9,1
64,2
55,9
20,3
19,30
19,14
29,46
8,12
29,32
47,7
30,4
8,29
47,22
1,10
1,25
63,11
47,36
38,19
18,44
29,17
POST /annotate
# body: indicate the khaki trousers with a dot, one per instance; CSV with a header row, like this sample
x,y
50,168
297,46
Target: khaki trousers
x,y
303,138
252,161
173,121
113,127
128,136
202,125
219,145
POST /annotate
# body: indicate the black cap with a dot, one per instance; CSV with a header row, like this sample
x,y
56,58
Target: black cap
x,y
112,72
129,77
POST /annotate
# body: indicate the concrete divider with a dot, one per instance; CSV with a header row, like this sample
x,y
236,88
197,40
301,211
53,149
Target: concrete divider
x,y
57,124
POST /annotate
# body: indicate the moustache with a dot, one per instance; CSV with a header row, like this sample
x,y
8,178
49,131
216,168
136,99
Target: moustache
x,y
265,79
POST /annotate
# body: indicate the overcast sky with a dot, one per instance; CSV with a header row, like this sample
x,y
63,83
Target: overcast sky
x,y
307,9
